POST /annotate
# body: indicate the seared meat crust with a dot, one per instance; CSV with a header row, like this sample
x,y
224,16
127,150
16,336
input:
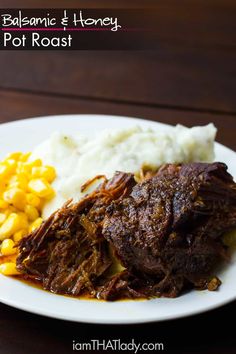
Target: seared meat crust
x,y
169,230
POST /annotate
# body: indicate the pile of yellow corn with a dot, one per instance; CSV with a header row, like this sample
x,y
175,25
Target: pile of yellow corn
x,y
24,188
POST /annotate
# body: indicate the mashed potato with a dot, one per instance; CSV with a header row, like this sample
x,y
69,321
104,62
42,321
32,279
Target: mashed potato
x,y
78,158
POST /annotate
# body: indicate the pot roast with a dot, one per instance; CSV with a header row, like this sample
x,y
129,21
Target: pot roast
x,y
166,231
68,252
169,230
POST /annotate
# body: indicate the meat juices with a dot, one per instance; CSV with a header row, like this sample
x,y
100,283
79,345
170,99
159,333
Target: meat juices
x,y
167,231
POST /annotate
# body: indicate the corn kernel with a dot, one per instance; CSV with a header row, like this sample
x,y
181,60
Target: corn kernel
x,y
3,184
19,235
8,268
26,167
24,157
47,172
10,226
31,212
16,197
35,224
18,181
22,168
29,165
7,247
3,217
23,220
37,162
11,165
14,155
32,199
41,205
7,168
4,171
41,188
3,204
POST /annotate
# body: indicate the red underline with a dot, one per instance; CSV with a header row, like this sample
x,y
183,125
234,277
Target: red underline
x,y
60,29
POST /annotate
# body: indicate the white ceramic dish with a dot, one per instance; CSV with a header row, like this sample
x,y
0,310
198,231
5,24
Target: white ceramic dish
x,y
23,136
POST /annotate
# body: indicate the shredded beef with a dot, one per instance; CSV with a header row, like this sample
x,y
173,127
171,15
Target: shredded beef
x,y
68,252
166,231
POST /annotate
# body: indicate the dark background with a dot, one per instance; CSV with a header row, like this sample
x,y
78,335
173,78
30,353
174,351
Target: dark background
x,y
190,79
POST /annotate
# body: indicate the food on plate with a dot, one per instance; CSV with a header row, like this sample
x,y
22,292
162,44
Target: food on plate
x,y
72,223
79,158
68,252
169,229
166,231
25,185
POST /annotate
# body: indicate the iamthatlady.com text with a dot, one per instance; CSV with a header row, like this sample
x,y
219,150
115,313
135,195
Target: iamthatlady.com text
x,y
14,25
116,345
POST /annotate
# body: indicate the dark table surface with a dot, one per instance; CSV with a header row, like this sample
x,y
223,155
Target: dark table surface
x,y
190,79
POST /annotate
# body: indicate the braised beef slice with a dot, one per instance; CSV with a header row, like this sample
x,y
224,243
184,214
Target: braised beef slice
x,y
68,252
168,232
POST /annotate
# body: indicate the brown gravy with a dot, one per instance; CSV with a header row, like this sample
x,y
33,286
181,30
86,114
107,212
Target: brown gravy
x,y
37,284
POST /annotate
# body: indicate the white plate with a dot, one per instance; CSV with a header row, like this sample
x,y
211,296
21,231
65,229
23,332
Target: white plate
x,y
23,136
